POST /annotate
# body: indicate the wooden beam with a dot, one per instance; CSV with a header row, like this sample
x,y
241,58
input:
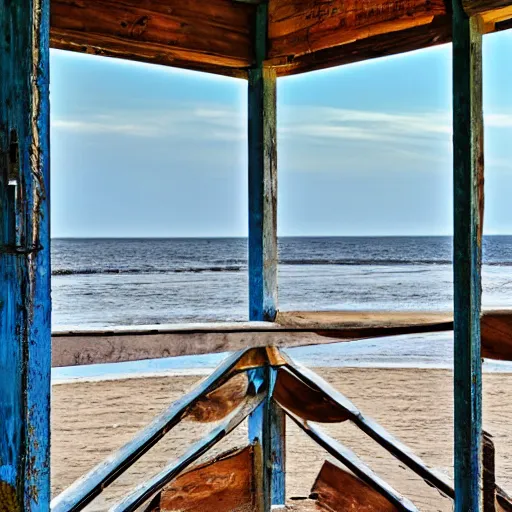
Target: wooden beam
x,y
336,490
213,36
468,176
373,429
267,424
298,27
354,464
73,348
224,484
25,337
147,490
305,36
85,489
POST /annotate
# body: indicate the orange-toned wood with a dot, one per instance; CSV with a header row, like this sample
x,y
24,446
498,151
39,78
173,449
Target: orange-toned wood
x,y
305,26
209,36
496,332
337,490
225,484
220,402
305,401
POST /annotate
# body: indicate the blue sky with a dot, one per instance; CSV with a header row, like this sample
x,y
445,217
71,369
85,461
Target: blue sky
x,y
364,149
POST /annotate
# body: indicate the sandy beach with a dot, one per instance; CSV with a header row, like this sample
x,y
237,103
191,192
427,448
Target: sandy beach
x,y
90,419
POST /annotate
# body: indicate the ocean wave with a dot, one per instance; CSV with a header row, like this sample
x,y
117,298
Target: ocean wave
x,y
193,270
291,262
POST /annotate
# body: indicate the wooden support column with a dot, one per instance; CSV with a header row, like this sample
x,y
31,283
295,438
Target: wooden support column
x,y
267,424
468,173
25,338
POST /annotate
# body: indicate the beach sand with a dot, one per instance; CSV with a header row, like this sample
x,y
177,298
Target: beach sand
x,y
90,419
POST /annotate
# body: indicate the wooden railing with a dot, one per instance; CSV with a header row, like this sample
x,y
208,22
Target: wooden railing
x,y
94,346
271,376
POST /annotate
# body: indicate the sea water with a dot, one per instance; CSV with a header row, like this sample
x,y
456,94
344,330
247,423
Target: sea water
x,y
106,282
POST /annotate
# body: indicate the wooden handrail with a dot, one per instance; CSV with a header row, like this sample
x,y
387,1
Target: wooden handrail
x,y
354,463
145,491
85,489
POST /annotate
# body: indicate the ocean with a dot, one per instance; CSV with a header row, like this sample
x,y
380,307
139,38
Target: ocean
x,y
105,282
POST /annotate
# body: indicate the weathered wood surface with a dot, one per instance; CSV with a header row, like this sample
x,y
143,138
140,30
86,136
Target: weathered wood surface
x,y
305,26
147,490
354,464
85,489
221,401
73,348
489,474
468,201
224,484
307,35
374,430
305,401
212,36
336,490
303,34
25,336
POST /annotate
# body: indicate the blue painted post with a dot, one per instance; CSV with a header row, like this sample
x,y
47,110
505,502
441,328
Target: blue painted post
x,y
468,172
266,424
25,337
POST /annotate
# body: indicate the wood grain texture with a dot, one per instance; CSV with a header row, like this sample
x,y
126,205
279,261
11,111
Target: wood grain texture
x,y
374,430
221,401
336,490
85,489
305,26
72,348
224,484
306,401
25,336
212,37
148,489
468,168
354,464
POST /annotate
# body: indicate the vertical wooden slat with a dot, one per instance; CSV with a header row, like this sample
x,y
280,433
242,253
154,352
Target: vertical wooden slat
x,y
468,217
262,180
25,341
489,474
267,424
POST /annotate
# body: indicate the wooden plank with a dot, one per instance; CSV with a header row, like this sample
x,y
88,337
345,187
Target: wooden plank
x,y
148,489
489,474
214,37
221,401
352,462
305,401
267,423
337,490
224,484
374,430
85,489
298,27
468,169
25,337
72,348
342,37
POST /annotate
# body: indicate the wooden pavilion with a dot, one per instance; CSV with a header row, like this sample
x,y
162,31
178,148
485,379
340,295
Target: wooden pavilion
x,y
258,41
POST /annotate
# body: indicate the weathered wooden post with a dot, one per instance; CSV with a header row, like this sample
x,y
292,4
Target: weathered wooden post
x,y
468,172
25,344
267,424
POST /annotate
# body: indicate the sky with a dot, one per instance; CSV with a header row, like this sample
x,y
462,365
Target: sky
x,y
139,150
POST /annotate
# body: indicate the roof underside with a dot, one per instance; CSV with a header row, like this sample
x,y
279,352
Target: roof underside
x,y
217,35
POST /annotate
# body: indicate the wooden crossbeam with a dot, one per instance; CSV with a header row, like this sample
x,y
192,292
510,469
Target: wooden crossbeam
x,y
82,347
147,490
84,490
218,36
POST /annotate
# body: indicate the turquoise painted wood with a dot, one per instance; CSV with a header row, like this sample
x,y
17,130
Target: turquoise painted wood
x,y
468,169
25,340
267,424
